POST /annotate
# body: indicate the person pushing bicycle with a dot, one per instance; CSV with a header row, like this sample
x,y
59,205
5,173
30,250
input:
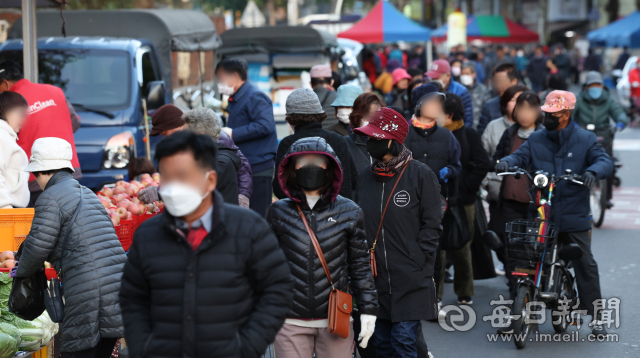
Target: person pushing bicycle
x,y
594,107
560,146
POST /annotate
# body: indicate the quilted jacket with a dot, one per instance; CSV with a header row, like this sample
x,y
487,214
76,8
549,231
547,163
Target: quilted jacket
x,y
339,226
92,265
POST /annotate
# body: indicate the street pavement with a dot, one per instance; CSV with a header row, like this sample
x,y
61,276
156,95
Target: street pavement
x,y
615,247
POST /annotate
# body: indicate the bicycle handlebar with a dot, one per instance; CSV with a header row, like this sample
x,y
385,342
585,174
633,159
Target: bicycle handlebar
x,y
569,176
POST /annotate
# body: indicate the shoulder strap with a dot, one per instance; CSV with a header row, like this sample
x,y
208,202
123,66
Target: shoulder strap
x,y
66,236
316,244
385,206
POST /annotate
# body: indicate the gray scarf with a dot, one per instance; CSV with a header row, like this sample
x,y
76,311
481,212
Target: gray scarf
x,y
525,133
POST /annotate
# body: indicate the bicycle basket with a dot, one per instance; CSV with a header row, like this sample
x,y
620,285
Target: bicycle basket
x,y
526,241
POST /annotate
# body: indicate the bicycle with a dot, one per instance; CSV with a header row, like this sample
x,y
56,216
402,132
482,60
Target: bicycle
x,y
542,262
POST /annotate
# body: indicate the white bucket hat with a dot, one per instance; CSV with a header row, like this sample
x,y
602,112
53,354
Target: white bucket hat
x,y
50,154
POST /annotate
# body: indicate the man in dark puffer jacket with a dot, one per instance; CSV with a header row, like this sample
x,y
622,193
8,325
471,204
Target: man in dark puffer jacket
x,y
204,278
93,259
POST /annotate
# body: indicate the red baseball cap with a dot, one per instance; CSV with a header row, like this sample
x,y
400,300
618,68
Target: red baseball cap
x,y
438,67
386,124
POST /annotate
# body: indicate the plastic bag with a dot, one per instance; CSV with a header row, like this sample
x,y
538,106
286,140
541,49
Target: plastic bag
x,y
27,295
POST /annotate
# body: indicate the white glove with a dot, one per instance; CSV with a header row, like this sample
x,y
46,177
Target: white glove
x,y
229,131
635,84
243,201
367,325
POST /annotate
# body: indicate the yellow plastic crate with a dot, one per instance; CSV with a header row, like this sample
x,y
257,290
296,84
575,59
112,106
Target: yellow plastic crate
x,y
15,225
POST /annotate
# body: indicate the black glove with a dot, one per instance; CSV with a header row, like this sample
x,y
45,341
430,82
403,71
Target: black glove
x,y
589,179
502,167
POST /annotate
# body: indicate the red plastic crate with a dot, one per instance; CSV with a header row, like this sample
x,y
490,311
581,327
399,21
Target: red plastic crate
x,y
139,219
125,233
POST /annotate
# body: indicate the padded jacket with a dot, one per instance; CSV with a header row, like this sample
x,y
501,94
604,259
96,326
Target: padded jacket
x,y
338,224
226,299
92,265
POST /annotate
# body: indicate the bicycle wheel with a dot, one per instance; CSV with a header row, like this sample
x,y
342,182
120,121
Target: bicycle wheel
x,y
598,202
564,288
521,328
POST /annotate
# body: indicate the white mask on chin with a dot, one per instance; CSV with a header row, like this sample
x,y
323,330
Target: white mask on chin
x,y
181,199
440,121
225,89
343,114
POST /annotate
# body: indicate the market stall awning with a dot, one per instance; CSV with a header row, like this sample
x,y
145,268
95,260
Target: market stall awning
x,y
622,32
385,23
491,29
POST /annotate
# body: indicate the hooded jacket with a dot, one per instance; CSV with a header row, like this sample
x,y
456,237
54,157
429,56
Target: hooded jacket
x,y
227,299
598,112
554,152
338,224
407,243
14,187
335,140
92,265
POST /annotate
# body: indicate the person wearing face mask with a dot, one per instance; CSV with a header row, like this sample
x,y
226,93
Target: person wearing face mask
x,y
204,277
305,115
14,181
400,198
251,126
68,215
364,107
456,69
478,92
596,106
428,140
520,62
398,96
310,175
563,145
440,71
343,106
323,85
513,201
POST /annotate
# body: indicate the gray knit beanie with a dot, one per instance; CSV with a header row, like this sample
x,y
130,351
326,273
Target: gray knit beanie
x,y
303,101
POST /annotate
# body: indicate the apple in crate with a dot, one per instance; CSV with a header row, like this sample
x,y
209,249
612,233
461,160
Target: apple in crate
x,y
156,177
115,217
124,204
122,213
134,209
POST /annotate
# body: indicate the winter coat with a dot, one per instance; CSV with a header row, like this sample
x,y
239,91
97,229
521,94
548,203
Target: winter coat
x,y
598,112
479,96
227,169
245,181
336,141
254,129
436,147
593,62
554,152
338,224
564,64
400,99
475,163
537,70
327,97
490,111
92,265
384,83
357,145
406,246
14,181
340,128
228,298
460,90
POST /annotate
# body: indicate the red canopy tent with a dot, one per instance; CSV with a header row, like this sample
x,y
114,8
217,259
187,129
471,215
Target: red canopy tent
x,y
496,29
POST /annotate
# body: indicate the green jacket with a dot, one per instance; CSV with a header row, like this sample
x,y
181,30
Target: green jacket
x,y
588,111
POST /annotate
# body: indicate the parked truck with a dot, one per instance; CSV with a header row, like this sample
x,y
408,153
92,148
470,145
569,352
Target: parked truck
x,y
110,65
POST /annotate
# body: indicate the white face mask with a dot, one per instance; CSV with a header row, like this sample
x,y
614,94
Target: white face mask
x,y
455,71
181,199
466,80
440,121
223,88
441,82
343,115
520,53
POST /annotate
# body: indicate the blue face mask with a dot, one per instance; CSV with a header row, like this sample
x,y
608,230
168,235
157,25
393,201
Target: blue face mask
x,y
595,92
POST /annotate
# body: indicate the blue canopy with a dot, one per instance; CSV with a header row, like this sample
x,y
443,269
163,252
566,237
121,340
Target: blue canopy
x,y
622,32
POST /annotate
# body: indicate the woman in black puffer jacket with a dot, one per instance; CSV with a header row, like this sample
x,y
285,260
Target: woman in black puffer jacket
x,y
310,175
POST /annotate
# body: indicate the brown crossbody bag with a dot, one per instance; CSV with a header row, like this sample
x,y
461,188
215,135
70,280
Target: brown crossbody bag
x,y
340,303
372,252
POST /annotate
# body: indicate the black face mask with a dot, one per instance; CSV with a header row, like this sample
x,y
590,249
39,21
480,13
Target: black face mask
x,y
311,177
551,122
378,148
